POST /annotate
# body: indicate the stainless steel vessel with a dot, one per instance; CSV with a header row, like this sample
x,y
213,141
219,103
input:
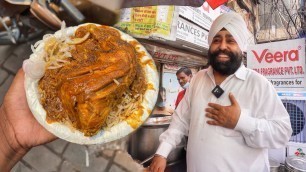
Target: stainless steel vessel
x,y
295,164
274,165
144,142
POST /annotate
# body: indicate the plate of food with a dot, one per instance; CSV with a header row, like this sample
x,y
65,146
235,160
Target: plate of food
x,y
90,84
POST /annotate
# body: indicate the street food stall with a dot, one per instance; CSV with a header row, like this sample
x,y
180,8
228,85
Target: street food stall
x,y
144,142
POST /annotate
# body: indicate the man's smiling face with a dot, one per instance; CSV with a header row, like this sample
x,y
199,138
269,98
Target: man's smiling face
x,y
224,53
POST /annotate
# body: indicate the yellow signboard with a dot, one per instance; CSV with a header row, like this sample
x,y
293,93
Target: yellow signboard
x,y
145,22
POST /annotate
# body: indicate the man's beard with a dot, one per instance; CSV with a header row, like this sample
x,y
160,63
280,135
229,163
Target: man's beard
x,y
228,67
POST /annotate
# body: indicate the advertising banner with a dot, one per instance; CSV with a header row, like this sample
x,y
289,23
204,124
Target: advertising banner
x,y
282,63
145,22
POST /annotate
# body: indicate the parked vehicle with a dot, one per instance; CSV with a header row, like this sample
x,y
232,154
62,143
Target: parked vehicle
x,y
24,20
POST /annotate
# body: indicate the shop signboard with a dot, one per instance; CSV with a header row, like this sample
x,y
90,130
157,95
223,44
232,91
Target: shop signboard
x,y
282,63
191,33
169,56
202,16
151,21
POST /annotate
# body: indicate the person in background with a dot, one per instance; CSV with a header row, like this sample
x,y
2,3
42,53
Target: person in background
x,y
183,76
160,107
231,114
19,130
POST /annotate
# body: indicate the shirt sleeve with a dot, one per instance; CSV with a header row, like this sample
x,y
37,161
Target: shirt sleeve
x,y
178,127
267,125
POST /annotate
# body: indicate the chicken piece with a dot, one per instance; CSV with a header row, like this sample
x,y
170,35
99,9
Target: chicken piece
x,y
83,92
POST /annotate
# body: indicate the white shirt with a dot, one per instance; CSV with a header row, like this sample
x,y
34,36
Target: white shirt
x,y
264,123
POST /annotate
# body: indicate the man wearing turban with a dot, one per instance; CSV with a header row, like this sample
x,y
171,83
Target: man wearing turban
x,y
231,115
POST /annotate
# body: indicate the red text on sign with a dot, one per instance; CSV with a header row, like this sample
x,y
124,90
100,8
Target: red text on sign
x,y
292,55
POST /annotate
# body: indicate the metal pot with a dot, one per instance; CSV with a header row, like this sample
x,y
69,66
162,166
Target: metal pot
x,y
274,165
295,164
144,142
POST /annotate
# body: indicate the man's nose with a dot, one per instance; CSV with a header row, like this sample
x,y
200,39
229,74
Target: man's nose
x,y
223,45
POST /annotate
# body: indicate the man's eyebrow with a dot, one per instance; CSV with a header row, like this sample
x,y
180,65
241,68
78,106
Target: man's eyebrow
x,y
227,36
217,36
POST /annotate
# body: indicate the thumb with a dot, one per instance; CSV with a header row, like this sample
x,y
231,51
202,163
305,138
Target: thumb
x,y
232,99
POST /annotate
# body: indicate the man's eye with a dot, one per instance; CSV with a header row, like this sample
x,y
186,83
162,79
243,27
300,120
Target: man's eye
x,y
216,40
231,41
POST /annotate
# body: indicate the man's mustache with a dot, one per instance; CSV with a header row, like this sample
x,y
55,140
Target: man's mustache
x,y
217,53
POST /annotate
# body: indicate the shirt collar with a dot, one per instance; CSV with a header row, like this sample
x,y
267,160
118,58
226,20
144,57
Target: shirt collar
x,y
241,73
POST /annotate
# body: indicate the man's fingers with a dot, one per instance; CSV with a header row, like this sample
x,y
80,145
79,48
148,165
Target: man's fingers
x,y
155,168
215,119
158,164
211,110
232,99
151,167
212,116
215,106
212,122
